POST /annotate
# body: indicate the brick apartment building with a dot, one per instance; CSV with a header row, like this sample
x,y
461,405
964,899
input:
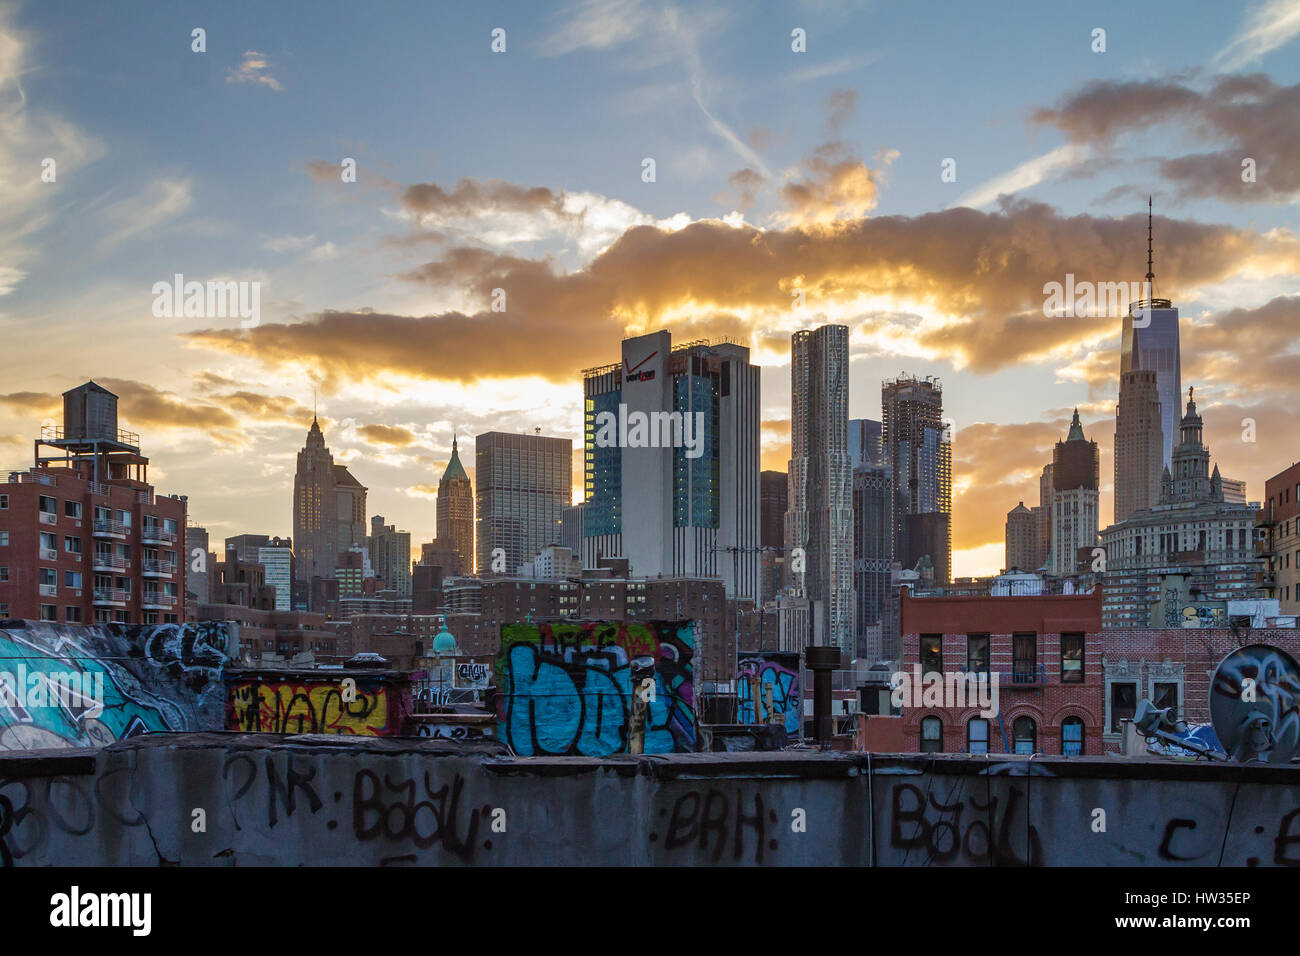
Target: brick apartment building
x,y
1047,652
83,537
1278,539
1065,683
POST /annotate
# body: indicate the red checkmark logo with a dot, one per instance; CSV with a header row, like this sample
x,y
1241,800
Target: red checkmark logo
x,y
640,363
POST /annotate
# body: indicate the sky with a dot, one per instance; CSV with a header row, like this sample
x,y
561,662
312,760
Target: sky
x,y
916,172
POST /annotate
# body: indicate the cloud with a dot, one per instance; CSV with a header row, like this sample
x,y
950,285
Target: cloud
x,y
840,107
394,435
830,184
35,403
253,69
974,279
1027,174
1269,26
144,211
1247,117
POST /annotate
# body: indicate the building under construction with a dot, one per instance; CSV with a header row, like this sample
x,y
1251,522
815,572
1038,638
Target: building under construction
x,y
918,442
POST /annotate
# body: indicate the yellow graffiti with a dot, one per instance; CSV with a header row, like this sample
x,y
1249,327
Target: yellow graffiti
x,y
294,708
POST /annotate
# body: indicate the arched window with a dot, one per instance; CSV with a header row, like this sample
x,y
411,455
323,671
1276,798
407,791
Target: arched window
x,y
1026,734
1072,736
931,735
977,736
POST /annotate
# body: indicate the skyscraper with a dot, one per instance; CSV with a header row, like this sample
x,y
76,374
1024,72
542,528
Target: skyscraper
x,y
919,449
456,511
1139,441
1075,472
390,555
873,544
1022,539
524,483
820,519
1150,342
350,506
671,462
315,509
774,500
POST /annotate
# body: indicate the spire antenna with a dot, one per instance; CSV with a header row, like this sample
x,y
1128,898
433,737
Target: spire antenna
x,y
1151,276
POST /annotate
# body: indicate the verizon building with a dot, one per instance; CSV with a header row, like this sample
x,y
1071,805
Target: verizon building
x,y
671,456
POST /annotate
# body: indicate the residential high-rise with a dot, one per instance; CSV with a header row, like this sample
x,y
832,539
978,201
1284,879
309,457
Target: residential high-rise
x,y
1075,492
1150,342
873,543
524,483
1139,441
390,556
918,445
456,511
277,561
1022,539
671,462
318,488
820,519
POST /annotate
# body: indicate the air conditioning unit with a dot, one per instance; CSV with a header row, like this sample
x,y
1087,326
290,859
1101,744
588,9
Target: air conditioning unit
x,y
77,592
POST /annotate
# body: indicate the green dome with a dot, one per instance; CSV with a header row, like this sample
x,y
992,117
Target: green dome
x,y
444,643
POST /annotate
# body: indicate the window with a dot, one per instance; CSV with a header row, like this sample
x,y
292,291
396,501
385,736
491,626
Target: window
x,y
4,539
4,502
1024,664
49,612
1072,736
47,578
1071,658
1123,703
72,579
72,614
48,506
977,653
72,509
931,735
932,654
4,574
1026,734
1166,695
71,544
4,610
977,736
49,546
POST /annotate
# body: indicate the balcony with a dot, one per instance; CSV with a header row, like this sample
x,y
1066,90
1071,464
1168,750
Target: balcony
x,y
157,600
153,567
30,478
114,596
154,534
1022,675
110,562
104,528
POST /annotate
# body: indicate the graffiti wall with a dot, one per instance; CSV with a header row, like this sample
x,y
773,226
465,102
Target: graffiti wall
x,y
338,702
567,688
781,671
67,685
287,801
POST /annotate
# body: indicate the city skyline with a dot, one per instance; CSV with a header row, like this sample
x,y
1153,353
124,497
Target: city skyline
x,y
379,292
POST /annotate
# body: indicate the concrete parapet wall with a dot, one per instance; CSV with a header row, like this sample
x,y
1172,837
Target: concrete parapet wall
x,y
327,800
